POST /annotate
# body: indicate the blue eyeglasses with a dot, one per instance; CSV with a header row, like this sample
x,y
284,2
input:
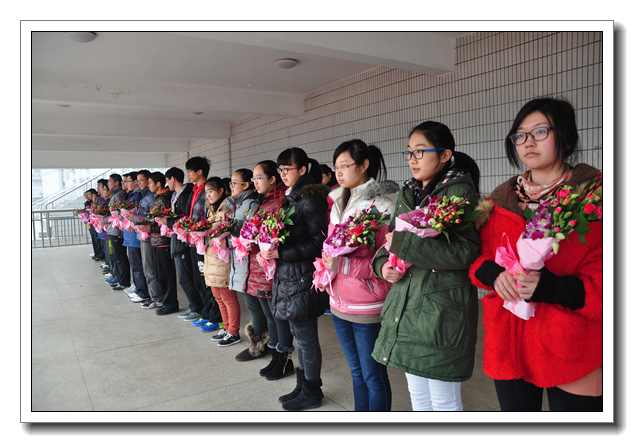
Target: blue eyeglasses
x,y
418,154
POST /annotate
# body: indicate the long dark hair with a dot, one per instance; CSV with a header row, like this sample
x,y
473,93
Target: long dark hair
x,y
298,157
441,137
360,152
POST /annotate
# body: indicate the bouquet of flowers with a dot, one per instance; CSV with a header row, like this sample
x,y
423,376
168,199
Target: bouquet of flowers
x,y
358,230
83,215
98,212
143,228
441,215
179,228
223,231
160,216
197,232
127,209
552,222
248,234
273,233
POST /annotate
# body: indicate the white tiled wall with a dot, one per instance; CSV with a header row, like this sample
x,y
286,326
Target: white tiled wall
x,y
495,74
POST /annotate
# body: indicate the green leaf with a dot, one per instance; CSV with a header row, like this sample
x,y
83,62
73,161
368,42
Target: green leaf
x,y
529,214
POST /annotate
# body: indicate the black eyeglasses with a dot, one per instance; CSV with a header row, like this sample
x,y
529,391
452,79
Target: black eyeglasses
x,y
418,154
537,134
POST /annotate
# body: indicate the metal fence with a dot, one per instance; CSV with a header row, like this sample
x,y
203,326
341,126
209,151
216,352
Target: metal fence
x,y
57,227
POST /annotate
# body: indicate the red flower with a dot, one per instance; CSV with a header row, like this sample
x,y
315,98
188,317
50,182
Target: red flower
x,y
589,208
563,193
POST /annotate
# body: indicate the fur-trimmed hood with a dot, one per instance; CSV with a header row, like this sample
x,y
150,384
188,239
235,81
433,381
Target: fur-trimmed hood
x,y
317,190
504,195
382,195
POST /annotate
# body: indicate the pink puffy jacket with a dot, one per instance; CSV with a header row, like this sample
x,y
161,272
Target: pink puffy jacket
x,y
355,289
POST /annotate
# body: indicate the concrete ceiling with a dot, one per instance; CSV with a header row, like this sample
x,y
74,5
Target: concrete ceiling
x,y
134,93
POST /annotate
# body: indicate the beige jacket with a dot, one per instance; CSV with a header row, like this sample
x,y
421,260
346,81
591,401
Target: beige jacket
x,y
216,271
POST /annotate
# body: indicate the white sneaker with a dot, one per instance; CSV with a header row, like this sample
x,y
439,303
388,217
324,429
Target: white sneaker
x,y
136,299
132,295
107,276
130,290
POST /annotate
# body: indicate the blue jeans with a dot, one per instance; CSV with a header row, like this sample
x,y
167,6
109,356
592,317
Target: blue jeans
x,y
371,387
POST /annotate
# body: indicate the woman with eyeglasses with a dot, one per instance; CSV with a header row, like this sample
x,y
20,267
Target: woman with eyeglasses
x,y
269,186
560,348
356,294
294,299
430,317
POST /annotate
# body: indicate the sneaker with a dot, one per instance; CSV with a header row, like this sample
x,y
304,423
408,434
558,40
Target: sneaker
x,y
113,281
137,299
328,312
134,294
185,314
209,327
118,287
221,335
105,266
200,322
164,310
131,289
151,304
192,317
229,340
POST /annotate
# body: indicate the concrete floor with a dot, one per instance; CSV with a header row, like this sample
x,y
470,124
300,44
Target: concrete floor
x,y
94,350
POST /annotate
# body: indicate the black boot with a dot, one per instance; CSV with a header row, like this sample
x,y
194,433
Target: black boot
x,y
298,388
283,367
272,364
309,398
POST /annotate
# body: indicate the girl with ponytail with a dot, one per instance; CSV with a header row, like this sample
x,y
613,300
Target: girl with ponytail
x,y
293,298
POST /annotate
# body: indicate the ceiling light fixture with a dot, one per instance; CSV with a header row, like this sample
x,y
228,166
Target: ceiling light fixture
x,y
196,112
286,63
81,37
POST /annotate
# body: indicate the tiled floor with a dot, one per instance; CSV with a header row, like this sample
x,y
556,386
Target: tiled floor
x,y
94,350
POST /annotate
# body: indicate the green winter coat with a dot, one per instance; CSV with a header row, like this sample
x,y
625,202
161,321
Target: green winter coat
x,y
430,317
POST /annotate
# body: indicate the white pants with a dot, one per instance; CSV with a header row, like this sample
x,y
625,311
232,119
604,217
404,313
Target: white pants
x,y
433,395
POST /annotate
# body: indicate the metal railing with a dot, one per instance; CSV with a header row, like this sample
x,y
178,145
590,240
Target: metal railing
x,y
57,227
71,195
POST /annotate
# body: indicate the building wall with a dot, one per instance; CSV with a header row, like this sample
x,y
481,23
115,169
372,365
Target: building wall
x,y
496,73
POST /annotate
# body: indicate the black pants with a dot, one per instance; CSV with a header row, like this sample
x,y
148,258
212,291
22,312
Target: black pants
x,y
522,396
122,264
280,335
186,278
165,271
209,308
96,244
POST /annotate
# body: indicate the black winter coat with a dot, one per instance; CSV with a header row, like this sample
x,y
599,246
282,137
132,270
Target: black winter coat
x,y
293,299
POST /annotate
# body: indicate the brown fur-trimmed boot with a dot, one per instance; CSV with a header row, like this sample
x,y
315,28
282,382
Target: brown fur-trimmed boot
x,y
257,344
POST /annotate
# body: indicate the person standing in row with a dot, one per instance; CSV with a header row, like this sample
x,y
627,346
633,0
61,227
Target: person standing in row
x,y
430,317
270,188
356,294
204,301
217,271
165,267
181,192
293,297
560,349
